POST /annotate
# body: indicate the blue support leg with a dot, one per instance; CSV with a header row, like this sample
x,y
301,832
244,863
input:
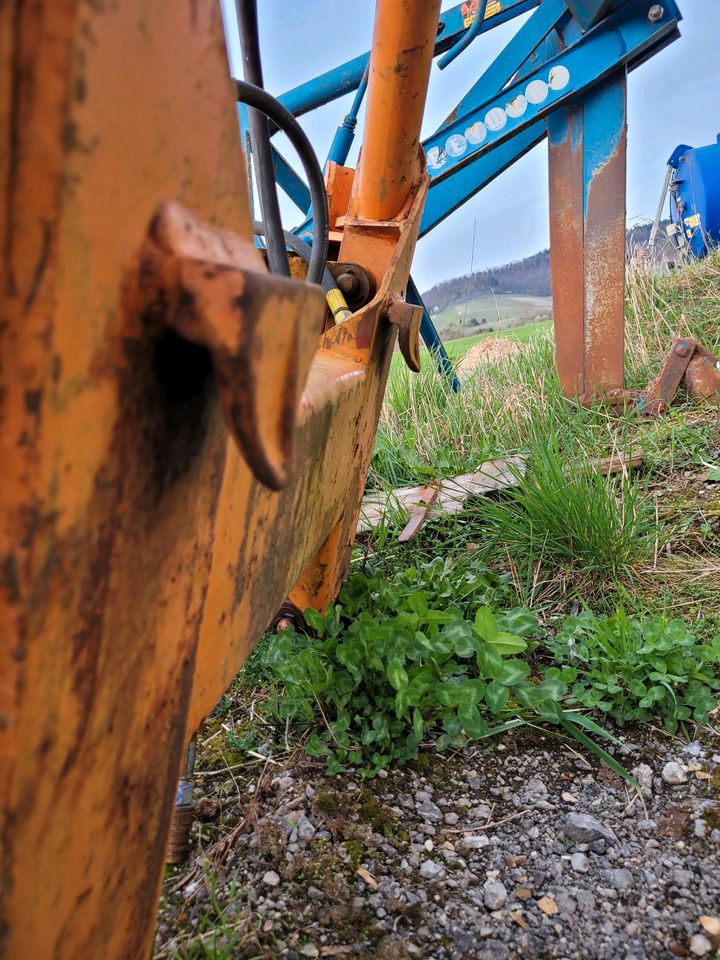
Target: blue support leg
x,y
431,337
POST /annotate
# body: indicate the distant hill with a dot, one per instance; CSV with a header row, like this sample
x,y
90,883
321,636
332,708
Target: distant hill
x,y
529,277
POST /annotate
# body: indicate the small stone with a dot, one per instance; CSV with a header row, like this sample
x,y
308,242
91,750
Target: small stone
x,y
430,811
565,902
476,842
383,774
536,787
309,950
271,879
548,906
451,818
583,828
711,924
282,783
429,845
644,776
621,879
700,945
646,826
579,862
569,797
305,829
586,900
431,870
523,893
673,773
494,895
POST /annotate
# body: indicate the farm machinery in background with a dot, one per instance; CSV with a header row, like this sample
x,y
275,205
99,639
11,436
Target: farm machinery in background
x,y
692,180
186,434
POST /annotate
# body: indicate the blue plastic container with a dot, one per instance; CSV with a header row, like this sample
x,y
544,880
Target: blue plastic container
x,y
695,195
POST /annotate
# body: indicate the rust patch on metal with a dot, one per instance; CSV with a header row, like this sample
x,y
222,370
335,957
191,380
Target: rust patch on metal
x,y
567,258
605,275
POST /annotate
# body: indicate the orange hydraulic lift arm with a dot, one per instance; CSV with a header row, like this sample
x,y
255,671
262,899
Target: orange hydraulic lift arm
x,y
141,558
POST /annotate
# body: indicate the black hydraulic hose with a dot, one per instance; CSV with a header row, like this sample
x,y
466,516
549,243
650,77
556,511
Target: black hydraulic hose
x,y
260,140
272,108
335,298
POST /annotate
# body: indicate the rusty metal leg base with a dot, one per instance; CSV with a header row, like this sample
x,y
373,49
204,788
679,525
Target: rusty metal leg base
x,y
587,148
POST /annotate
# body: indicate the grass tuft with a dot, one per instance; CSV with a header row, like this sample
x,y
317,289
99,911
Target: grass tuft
x,y
568,520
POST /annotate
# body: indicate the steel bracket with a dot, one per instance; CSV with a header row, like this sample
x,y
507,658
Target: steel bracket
x,y
203,283
687,361
407,318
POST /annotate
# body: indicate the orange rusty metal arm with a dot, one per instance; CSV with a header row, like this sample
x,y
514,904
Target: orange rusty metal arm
x,y
402,51
140,556
346,385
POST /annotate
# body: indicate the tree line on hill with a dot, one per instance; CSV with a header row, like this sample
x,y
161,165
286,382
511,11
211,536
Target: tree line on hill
x,y
529,276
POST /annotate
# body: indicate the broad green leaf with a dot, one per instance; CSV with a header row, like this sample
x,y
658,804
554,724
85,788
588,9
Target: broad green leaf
x,y
508,643
460,634
518,621
471,691
513,671
448,694
316,747
396,674
485,624
314,619
472,723
550,710
496,696
489,660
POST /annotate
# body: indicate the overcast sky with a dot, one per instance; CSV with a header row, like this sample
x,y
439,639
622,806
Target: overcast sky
x,y
673,98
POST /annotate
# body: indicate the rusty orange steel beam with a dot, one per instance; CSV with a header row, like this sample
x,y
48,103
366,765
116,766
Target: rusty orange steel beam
x,y
152,370
402,51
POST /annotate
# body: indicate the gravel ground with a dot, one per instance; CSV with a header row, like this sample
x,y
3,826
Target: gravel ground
x,y
525,849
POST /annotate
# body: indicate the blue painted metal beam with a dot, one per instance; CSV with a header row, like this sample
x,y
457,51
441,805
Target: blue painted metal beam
x,y
446,195
345,78
290,182
588,12
616,42
630,42
511,58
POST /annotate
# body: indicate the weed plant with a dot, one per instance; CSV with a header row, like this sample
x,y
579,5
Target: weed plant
x,y
567,520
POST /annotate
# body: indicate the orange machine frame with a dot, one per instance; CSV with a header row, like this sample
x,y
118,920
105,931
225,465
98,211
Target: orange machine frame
x,y
148,363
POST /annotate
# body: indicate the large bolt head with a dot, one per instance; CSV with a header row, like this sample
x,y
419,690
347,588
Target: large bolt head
x,y
655,13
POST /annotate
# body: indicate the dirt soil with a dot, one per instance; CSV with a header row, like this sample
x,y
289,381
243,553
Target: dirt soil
x,y
524,849
492,350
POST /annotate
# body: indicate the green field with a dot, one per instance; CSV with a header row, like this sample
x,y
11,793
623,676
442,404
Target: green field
x,y
498,310
458,348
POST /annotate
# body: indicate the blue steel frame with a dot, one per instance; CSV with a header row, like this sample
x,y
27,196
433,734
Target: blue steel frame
x,y
506,111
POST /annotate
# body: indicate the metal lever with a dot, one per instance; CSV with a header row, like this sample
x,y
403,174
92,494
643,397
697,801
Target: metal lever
x,y
407,318
467,38
209,286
